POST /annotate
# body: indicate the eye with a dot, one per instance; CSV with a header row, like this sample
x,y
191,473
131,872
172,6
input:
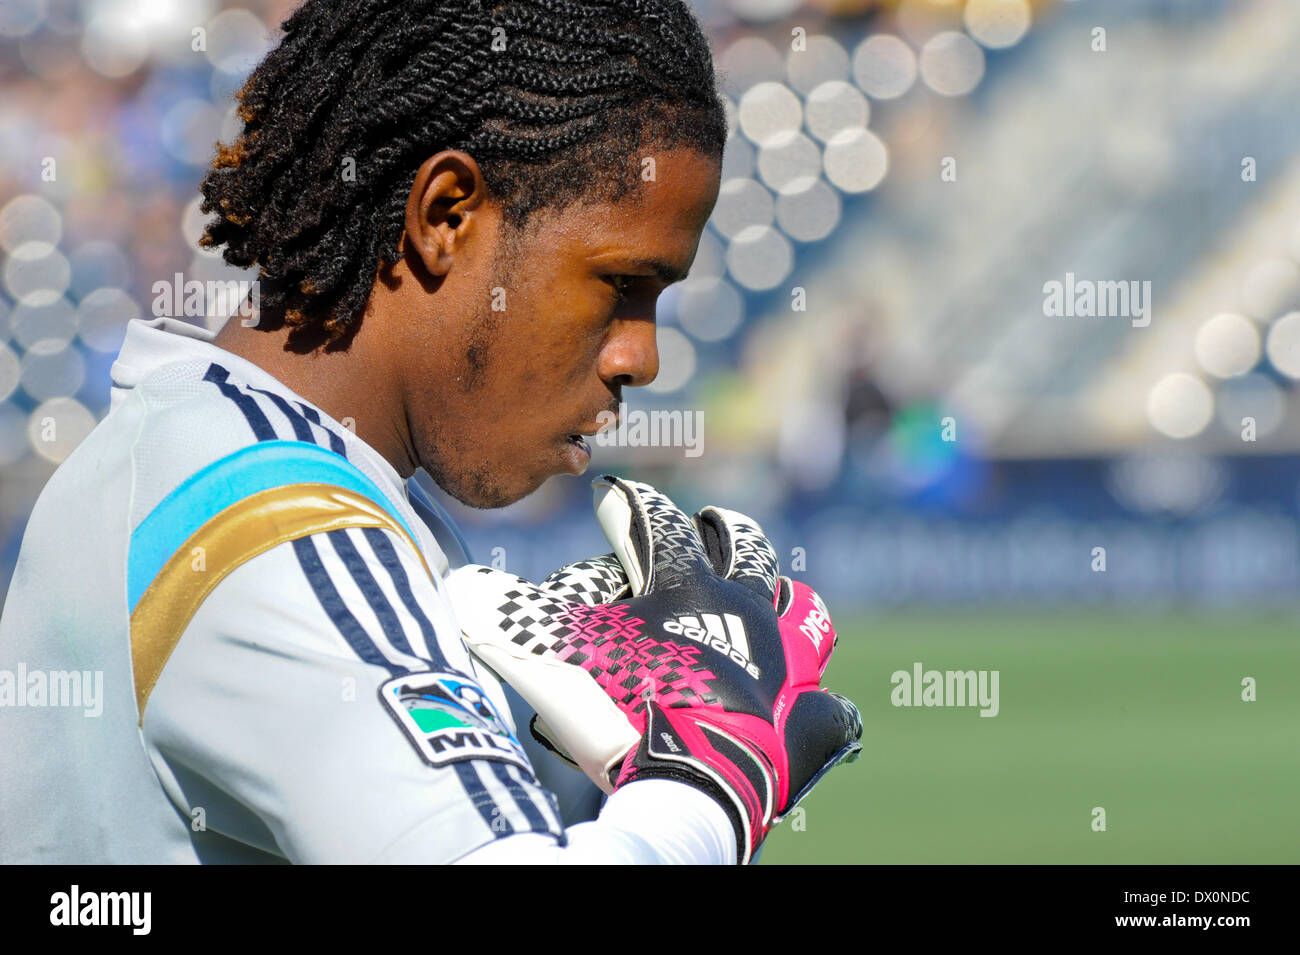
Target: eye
x,y
621,284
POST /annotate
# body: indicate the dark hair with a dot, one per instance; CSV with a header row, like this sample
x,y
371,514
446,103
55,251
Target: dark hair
x,y
557,115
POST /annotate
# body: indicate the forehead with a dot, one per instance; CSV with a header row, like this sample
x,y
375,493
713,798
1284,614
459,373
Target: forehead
x,y
662,217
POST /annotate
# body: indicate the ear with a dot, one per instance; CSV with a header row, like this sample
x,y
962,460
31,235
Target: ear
x,y
446,200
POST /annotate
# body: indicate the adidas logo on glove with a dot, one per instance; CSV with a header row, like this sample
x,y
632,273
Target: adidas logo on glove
x,y
731,640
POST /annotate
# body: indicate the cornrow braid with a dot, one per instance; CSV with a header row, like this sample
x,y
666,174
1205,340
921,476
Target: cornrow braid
x,y
557,116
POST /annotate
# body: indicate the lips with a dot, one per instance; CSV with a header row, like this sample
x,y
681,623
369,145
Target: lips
x,y
604,420
580,436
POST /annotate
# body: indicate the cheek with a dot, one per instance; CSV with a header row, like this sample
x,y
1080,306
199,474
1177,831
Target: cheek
x,y
567,354
556,330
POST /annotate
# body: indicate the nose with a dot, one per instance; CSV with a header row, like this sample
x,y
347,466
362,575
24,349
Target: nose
x,y
630,356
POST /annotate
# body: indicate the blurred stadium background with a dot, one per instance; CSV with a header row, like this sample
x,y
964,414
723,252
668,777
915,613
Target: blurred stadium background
x,y
925,445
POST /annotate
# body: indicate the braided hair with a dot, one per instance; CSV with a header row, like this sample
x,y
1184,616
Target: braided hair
x,y
553,99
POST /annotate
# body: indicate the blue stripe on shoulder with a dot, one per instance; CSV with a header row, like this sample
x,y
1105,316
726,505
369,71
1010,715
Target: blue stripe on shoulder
x,y
387,555
337,609
247,404
251,469
370,589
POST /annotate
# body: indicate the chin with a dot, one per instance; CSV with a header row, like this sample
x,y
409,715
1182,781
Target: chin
x,y
484,490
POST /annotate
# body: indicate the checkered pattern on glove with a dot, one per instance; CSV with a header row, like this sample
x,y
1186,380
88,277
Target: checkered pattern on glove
x,y
697,662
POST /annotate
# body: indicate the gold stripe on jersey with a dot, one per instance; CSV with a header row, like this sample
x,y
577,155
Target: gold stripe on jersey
x,y
250,527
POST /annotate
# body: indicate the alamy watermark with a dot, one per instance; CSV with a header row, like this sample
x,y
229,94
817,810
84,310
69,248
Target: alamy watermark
x,y
655,428
81,689
921,687
1085,298
129,909
178,298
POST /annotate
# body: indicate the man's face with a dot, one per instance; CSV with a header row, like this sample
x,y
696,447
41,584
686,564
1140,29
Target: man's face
x,y
563,318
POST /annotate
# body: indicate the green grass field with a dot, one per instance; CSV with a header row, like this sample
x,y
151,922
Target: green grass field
x,y
1139,714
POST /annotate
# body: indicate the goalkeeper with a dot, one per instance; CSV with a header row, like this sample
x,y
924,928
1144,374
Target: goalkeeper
x,y
461,215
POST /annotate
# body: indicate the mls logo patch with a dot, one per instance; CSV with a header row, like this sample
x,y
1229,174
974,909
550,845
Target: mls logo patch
x,y
449,719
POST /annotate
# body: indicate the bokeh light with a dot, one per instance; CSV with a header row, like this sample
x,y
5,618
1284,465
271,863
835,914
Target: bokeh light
x,y
998,23
808,210
236,40
29,218
50,369
952,64
856,160
742,203
759,11
1283,344
709,309
787,158
1271,288
769,110
21,17
57,426
115,44
1180,405
884,66
1227,345
834,106
760,258
36,273
747,62
102,317
823,61
31,322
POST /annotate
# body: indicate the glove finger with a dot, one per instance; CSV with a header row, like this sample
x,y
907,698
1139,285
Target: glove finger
x,y
807,632
823,730
538,642
596,580
656,543
739,550
546,736
498,607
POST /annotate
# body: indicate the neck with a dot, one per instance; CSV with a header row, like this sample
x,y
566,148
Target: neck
x,y
345,384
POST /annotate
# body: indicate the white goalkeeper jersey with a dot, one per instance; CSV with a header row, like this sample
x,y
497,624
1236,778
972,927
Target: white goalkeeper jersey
x,y
227,640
